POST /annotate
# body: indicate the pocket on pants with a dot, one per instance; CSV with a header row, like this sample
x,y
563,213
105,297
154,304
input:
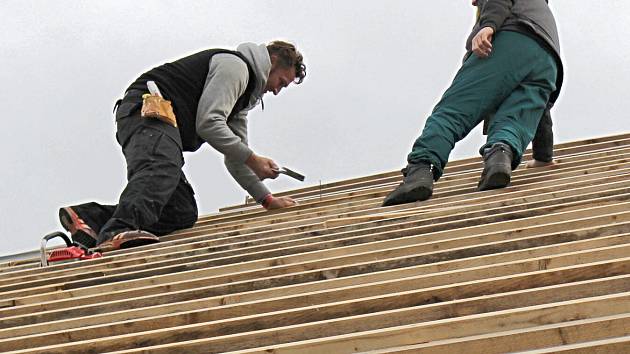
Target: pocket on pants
x,y
127,108
152,151
144,141
152,144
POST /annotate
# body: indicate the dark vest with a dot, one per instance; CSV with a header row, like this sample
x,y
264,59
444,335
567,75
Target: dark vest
x,y
182,83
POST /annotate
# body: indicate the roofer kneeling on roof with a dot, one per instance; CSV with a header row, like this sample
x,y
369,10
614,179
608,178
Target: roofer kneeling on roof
x,y
515,72
211,93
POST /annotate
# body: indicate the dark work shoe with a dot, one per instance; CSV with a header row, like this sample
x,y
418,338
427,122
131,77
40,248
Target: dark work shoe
x,y
497,167
128,239
79,230
417,185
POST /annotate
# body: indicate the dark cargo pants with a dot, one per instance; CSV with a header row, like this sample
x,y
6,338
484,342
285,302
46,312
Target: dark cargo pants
x,y
542,145
157,198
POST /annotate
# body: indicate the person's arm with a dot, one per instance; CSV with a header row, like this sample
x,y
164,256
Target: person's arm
x,y
494,13
246,177
491,18
242,174
226,81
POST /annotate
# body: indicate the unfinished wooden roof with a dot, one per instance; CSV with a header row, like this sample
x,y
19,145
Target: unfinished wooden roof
x,y
541,266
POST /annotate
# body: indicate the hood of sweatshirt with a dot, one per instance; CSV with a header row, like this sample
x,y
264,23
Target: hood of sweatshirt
x,y
258,57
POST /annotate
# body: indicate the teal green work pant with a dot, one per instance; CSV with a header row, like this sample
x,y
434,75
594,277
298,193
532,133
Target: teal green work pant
x,y
513,84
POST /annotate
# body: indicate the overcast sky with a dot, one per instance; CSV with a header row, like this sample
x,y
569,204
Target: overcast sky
x,y
374,71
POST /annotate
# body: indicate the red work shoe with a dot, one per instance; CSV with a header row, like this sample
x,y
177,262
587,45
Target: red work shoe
x,y
79,230
128,239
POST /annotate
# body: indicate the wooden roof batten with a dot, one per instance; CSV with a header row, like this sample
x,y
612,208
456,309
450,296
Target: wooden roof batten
x,y
540,266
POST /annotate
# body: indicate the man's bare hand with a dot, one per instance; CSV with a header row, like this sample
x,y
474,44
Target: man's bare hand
x,y
263,167
536,163
482,42
281,202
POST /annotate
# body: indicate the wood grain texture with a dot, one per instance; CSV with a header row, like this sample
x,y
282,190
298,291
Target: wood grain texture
x,y
540,266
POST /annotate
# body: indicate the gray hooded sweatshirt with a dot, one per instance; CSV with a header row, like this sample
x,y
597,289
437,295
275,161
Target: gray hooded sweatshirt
x,y
226,81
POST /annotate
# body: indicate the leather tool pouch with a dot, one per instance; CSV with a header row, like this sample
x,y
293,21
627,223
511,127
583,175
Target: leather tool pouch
x,y
157,107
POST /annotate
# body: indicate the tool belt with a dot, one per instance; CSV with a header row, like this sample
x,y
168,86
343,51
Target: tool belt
x,y
154,106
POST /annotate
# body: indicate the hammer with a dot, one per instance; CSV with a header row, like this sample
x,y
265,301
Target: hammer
x,y
290,173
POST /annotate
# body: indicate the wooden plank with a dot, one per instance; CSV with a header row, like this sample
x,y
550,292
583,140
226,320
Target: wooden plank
x,y
189,243
94,271
306,227
470,180
497,204
315,228
76,265
234,277
559,150
185,243
391,179
351,310
420,332
349,252
310,281
313,260
561,334
271,340
30,261
606,346
471,176
374,200
343,271
322,297
17,265
526,339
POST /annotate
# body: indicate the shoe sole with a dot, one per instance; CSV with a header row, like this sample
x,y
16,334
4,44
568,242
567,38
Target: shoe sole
x,y
417,194
137,243
78,236
118,242
496,180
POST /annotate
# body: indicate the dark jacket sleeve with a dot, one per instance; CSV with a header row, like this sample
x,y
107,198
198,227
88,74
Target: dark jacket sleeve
x,y
494,13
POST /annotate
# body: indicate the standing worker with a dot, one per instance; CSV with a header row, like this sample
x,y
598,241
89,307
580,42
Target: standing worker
x,y
514,73
211,93
542,144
